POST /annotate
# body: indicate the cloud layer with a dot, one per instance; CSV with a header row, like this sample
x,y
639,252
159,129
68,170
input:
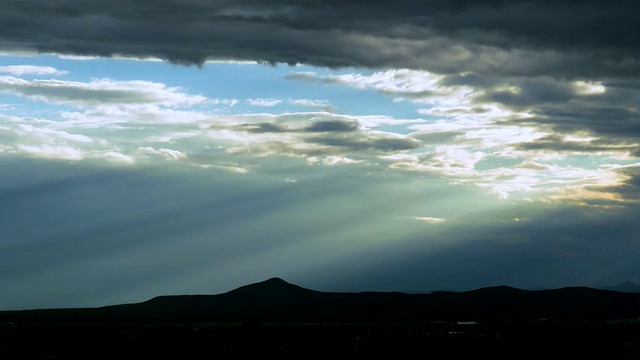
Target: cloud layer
x,y
505,135
524,37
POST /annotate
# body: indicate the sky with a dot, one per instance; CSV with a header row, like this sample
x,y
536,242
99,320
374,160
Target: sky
x,y
191,147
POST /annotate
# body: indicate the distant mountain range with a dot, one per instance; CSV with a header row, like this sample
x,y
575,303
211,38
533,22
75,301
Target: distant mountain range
x,y
627,286
277,301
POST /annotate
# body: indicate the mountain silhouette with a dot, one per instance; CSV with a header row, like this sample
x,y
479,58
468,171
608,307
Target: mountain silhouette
x,y
269,292
274,317
277,301
273,286
626,286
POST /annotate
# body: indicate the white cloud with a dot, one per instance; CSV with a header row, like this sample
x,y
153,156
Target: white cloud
x,y
128,121
532,165
48,134
52,152
430,219
115,56
380,120
588,87
114,156
226,102
263,102
101,115
168,154
170,137
495,136
77,57
335,160
234,168
400,82
323,105
20,70
231,61
98,92
451,160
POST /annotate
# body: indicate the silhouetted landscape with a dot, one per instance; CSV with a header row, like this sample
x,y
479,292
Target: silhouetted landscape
x,y
276,317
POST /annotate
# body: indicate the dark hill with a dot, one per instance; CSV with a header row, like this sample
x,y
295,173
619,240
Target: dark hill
x,y
273,293
276,318
626,286
277,301
275,287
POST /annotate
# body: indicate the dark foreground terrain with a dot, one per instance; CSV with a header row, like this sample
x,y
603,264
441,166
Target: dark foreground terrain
x,y
210,341
277,318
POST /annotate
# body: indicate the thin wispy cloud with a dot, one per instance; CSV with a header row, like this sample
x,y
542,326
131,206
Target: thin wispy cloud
x,y
263,102
20,70
97,92
429,219
323,105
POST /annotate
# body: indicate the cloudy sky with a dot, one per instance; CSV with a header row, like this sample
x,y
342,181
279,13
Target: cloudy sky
x,y
190,146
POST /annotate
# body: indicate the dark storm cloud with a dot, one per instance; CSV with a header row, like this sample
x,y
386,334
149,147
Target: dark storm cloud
x,y
614,122
554,143
607,108
524,92
607,120
262,128
515,37
332,126
379,143
317,126
325,138
529,91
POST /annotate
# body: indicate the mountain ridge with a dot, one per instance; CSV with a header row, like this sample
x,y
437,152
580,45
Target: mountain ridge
x,y
625,286
278,301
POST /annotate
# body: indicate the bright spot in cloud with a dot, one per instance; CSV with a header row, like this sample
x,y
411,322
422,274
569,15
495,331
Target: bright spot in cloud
x,y
588,87
429,219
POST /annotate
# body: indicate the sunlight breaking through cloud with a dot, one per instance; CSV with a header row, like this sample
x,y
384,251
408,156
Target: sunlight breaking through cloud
x,y
464,135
